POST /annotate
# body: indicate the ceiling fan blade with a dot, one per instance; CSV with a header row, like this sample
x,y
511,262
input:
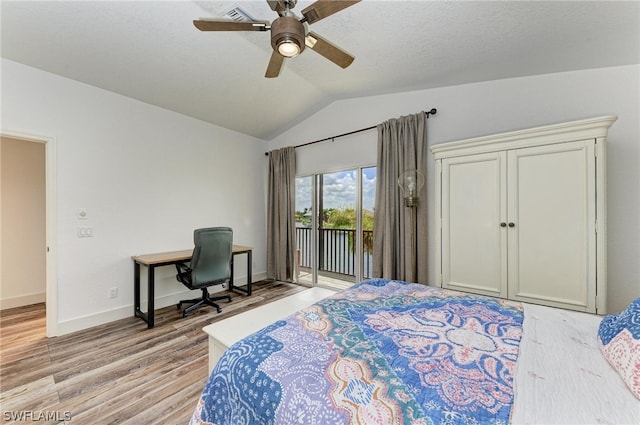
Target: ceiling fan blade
x,y
228,25
323,8
275,65
328,50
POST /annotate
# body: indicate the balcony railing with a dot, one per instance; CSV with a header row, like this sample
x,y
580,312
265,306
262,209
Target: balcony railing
x,y
337,250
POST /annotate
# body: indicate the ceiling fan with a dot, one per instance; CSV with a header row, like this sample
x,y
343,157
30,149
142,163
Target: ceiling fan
x,y
290,34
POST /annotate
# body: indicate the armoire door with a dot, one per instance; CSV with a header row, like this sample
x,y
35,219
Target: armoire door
x,y
551,219
473,207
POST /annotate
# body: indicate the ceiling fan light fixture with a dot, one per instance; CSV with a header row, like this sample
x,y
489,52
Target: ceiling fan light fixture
x,y
287,36
288,47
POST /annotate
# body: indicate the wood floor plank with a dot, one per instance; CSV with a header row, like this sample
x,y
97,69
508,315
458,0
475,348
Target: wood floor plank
x,y
139,344
41,394
95,378
23,366
170,402
19,314
34,351
126,385
119,372
163,394
153,394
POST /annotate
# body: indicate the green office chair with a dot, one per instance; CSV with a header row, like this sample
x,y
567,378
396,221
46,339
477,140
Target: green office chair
x,y
210,265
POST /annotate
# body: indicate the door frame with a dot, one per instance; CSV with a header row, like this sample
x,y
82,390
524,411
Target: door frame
x,y
51,284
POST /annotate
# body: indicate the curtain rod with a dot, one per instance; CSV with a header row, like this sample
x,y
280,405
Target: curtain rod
x,y
433,111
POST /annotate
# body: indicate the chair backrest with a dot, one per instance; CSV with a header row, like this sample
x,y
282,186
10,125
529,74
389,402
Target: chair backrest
x,y
211,261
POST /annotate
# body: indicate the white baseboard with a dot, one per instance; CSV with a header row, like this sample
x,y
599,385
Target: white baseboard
x,y
89,321
22,300
122,312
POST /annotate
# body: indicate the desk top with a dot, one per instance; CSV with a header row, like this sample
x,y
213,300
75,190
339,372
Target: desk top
x,y
184,255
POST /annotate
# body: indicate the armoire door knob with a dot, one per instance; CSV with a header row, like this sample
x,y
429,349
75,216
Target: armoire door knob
x,y
503,224
512,225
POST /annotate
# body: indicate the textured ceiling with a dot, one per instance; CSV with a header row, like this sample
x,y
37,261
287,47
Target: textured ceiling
x,y
149,50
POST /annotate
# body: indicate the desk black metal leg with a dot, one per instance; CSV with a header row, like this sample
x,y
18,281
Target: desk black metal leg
x,y
150,304
249,261
136,295
231,277
136,288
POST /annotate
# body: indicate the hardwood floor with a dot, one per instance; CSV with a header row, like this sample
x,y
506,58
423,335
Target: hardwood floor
x,y
117,373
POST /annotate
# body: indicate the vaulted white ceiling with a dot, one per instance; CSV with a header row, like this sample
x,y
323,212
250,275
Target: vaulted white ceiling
x,y
150,51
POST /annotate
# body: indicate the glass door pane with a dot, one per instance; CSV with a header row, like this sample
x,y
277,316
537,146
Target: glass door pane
x,y
337,229
368,202
305,240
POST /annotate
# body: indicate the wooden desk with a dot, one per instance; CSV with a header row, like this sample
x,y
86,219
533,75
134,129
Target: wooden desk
x,y
168,258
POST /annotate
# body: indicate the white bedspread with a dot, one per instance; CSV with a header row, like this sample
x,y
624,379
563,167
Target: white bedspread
x,y
562,377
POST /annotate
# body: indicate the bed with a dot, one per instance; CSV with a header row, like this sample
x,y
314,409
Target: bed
x,y
391,352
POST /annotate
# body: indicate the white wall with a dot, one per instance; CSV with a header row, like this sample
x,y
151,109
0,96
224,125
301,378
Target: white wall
x,y
22,281
497,106
146,176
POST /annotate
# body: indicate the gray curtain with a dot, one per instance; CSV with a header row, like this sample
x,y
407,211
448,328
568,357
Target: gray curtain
x,y
402,146
281,221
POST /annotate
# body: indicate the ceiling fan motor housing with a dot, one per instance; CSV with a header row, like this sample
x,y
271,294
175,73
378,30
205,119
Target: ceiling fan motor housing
x,y
287,28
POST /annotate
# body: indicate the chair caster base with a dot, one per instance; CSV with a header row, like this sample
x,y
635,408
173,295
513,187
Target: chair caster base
x,y
201,302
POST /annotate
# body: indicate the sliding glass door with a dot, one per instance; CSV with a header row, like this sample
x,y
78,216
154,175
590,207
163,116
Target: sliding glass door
x,y
334,235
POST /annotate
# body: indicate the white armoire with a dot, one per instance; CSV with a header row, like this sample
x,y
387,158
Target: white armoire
x,y
522,215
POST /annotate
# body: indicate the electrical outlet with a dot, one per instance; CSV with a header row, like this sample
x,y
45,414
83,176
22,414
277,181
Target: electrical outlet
x,y
85,232
113,293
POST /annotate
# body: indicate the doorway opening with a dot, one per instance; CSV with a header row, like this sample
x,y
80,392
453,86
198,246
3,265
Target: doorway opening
x,y
34,217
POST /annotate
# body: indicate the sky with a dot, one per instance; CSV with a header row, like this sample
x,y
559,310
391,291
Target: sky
x,y
339,190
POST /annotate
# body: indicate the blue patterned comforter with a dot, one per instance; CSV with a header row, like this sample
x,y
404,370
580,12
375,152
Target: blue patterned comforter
x,y
381,352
